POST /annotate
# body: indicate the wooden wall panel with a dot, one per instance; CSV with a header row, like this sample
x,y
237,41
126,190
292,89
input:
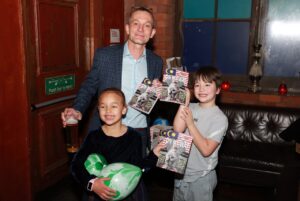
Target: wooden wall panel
x,y
15,178
58,36
61,43
113,18
51,158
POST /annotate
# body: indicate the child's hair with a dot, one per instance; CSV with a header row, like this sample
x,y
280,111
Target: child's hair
x,y
115,91
208,74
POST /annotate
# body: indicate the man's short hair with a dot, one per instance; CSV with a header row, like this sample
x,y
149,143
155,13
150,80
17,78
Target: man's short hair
x,y
142,8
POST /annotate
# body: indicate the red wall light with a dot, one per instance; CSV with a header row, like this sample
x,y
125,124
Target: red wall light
x,y
225,85
282,89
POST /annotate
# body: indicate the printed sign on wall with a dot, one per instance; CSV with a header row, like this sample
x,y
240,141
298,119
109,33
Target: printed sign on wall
x,y
59,84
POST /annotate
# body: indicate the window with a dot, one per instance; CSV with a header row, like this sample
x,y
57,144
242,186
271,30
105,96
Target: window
x,y
281,45
217,33
222,33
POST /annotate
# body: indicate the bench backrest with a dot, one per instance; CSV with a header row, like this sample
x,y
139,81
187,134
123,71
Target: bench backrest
x,y
258,124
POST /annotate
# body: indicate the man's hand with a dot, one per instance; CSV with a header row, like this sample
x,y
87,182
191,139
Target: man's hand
x,y
102,190
68,113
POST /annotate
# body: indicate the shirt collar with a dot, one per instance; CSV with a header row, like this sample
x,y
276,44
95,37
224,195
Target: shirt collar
x,y
126,52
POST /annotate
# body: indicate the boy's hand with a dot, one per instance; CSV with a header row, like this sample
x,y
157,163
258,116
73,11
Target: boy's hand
x,y
187,116
102,190
158,147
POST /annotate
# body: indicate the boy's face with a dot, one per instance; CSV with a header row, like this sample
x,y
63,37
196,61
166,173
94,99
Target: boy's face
x,y
111,108
206,92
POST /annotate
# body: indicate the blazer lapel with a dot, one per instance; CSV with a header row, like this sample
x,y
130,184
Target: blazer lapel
x,y
118,67
150,65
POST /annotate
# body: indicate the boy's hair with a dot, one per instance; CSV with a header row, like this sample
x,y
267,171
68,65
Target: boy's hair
x,y
208,74
141,8
115,91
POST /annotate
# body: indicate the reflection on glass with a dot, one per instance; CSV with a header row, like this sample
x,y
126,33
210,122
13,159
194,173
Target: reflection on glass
x,y
282,39
285,29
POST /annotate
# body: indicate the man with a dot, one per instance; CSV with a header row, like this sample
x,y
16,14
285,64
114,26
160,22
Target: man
x,y
123,67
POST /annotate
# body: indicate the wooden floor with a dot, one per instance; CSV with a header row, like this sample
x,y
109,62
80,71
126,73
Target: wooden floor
x,y
160,186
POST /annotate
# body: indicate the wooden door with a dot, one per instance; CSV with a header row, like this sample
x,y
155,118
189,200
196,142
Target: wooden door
x,y
61,36
58,57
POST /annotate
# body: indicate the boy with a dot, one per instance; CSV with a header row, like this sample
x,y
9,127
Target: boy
x,y
207,124
116,142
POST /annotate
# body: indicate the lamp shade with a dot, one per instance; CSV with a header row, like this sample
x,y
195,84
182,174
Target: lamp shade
x,y
255,70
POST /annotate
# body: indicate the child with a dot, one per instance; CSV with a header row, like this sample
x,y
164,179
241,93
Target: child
x,y
116,142
207,124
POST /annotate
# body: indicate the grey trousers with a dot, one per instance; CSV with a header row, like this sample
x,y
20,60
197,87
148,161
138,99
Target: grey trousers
x,y
200,190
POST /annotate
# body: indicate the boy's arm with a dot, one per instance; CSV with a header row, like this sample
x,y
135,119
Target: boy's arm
x,y
179,124
204,145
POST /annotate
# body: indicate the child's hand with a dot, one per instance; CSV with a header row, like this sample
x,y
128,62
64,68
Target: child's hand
x,y
156,82
102,190
158,147
187,116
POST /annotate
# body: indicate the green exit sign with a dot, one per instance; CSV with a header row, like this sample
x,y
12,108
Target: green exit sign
x,y
59,84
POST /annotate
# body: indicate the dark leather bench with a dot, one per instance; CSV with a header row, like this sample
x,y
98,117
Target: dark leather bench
x,y
254,154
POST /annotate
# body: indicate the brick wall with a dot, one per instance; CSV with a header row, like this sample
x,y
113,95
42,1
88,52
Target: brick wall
x,y
164,12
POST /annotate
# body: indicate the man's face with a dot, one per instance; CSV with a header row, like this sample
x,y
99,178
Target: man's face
x,y
140,28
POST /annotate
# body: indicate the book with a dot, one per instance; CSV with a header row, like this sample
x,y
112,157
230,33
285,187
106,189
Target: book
x,y
175,154
174,63
144,97
173,86
157,134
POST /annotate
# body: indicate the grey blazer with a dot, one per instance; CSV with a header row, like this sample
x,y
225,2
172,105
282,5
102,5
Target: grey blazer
x,y
107,72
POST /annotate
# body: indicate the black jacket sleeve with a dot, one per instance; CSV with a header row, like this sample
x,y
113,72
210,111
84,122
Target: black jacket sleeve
x,y
77,166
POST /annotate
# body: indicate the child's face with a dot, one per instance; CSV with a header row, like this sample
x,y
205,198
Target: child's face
x,y
206,92
111,108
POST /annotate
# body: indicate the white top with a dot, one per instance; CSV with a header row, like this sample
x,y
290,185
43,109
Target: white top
x,y
212,124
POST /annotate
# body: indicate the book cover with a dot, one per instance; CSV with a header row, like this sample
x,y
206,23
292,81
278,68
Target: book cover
x,y
157,133
144,97
173,86
175,154
175,63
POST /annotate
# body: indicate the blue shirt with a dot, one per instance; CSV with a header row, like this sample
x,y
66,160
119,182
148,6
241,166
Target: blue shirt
x,y
133,73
